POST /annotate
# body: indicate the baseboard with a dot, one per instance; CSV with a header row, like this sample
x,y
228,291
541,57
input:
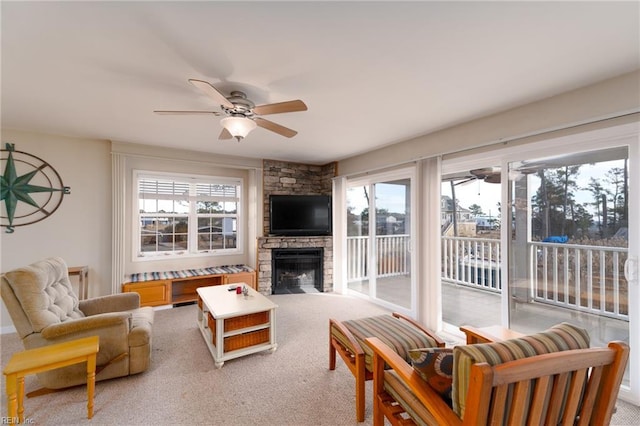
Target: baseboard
x,y
161,307
8,329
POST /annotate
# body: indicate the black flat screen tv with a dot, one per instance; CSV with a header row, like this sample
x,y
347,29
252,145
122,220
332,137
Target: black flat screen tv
x,y
307,215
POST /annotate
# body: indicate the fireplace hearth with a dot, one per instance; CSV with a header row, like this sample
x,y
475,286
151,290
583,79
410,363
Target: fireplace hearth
x,y
266,264
297,270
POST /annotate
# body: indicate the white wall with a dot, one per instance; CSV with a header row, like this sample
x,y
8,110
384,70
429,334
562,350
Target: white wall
x,y
80,230
609,98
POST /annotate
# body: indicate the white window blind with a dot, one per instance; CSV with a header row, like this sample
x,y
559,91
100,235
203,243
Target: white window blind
x,y
187,215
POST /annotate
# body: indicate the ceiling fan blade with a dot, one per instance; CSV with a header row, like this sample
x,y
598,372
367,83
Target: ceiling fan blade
x,y
224,134
212,92
274,127
488,174
186,112
278,108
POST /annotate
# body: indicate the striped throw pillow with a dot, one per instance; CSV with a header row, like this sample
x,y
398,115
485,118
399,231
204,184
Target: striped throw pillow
x,y
561,337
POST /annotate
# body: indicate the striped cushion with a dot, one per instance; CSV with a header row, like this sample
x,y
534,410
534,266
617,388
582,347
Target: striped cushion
x,y
398,334
398,389
558,338
187,273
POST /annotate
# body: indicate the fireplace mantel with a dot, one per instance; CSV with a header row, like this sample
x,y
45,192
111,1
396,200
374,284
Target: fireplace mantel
x,y
267,244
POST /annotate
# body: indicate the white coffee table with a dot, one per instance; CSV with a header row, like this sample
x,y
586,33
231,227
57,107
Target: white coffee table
x,y
234,325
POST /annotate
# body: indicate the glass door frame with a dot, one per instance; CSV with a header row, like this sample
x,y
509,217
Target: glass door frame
x,y
624,135
588,140
370,181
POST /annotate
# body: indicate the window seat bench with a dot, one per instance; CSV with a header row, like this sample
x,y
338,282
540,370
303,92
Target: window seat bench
x,y
173,287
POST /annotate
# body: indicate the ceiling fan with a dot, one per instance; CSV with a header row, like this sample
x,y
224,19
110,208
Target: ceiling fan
x,y
241,115
488,174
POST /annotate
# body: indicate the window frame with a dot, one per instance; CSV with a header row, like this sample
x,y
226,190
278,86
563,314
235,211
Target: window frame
x,y
192,250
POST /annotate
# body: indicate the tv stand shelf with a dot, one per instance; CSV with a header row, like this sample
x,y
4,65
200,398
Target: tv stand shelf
x,y
168,288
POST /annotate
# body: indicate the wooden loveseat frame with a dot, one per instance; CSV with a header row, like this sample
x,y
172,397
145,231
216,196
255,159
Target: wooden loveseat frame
x,y
577,386
354,353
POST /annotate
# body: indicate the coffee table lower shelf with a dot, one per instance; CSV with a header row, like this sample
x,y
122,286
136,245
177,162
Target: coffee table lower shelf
x,y
235,336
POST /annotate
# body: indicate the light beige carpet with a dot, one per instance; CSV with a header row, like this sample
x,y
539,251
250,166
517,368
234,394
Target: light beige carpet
x,y
292,386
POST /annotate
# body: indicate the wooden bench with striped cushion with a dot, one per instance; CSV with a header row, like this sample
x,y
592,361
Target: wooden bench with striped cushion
x,y
398,331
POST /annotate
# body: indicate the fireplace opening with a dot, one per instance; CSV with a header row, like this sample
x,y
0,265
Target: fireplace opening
x,y
296,270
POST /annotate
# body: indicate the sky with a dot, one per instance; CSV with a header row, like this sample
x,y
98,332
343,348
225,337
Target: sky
x,y
487,195
388,196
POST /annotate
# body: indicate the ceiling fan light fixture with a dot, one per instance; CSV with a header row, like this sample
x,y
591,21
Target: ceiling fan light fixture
x,y
242,115
239,127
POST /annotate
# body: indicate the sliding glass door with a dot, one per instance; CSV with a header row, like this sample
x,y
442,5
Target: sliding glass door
x,y
570,242
562,243
379,251
470,214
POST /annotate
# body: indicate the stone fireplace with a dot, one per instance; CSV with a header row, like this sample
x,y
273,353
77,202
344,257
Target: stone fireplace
x,y
296,270
281,177
268,246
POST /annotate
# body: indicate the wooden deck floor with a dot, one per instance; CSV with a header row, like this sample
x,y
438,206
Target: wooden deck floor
x,y
467,306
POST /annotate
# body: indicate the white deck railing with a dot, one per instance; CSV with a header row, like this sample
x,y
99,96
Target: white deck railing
x,y
577,277
580,277
473,262
392,252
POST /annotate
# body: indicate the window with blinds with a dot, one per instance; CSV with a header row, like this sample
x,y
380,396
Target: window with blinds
x,y
186,215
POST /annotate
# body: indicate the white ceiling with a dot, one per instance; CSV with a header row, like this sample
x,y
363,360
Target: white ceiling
x,y
372,74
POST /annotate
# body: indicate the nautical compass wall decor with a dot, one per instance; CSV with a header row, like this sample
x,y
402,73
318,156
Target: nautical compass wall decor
x,y
31,189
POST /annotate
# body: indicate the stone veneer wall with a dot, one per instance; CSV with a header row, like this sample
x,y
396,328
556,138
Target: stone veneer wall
x,y
267,244
283,178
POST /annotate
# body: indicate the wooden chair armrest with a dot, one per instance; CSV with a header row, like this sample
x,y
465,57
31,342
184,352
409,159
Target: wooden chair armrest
x,y
439,341
427,396
488,334
355,346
